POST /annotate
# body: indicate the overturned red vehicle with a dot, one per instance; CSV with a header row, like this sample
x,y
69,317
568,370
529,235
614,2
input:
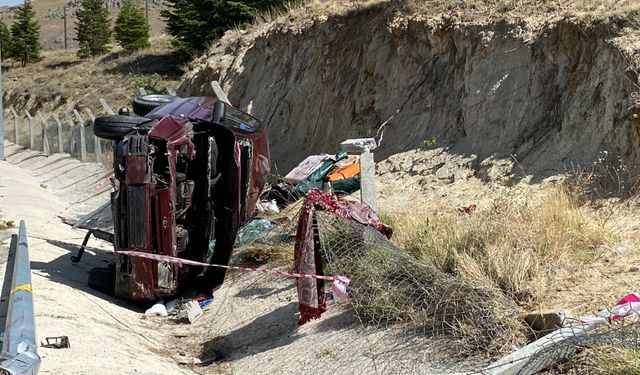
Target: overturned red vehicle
x,y
186,176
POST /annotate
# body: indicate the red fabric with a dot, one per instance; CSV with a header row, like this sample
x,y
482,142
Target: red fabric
x,y
307,257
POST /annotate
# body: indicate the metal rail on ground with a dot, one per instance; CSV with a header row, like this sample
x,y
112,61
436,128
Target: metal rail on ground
x,y
19,349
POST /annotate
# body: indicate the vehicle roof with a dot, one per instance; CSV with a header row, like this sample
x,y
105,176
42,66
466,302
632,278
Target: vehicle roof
x,y
201,108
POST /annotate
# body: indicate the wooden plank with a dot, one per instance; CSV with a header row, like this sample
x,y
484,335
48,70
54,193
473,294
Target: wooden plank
x,y
46,146
106,107
97,149
15,125
83,140
59,125
31,135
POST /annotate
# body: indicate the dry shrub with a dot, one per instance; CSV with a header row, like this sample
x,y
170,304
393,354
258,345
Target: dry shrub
x,y
4,224
513,245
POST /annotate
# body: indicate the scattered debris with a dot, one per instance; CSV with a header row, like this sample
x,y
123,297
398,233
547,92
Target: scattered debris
x,y
542,321
252,231
191,311
468,209
305,168
157,309
59,342
267,207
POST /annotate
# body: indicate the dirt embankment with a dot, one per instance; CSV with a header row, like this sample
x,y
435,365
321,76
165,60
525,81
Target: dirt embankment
x,y
550,93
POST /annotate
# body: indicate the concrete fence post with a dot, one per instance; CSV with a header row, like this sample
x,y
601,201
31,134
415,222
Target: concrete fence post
x,y
59,126
106,107
96,141
46,146
142,91
15,125
72,139
31,135
83,140
363,147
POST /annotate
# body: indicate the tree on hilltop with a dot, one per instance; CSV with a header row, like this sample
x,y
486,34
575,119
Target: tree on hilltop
x,y
93,28
195,24
5,40
25,36
131,29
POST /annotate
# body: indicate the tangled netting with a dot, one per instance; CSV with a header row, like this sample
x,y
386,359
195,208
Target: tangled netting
x,y
389,286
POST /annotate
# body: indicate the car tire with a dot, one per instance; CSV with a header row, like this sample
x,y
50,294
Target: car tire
x,y
103,280
144,104
115,127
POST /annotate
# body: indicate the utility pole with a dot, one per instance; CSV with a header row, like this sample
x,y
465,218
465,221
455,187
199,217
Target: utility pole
x,y
146,10
65,27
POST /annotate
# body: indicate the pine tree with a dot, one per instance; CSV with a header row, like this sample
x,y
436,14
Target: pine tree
x,y
194,24
25,34
93,28
5,40
131,29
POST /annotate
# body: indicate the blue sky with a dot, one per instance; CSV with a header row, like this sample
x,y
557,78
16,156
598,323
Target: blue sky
x,y
10,2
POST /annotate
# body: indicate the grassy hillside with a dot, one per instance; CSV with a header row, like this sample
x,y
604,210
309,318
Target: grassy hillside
x,y
61,80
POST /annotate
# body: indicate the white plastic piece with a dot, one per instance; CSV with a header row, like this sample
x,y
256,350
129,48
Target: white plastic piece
x,y
156,310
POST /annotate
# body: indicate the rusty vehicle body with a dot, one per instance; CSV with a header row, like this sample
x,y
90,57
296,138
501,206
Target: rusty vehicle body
x,y
186,176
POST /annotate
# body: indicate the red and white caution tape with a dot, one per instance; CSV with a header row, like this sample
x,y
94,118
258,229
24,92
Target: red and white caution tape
x,y
627,305
339,283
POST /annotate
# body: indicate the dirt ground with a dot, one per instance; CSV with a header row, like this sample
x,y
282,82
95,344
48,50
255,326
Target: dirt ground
x,y
251,327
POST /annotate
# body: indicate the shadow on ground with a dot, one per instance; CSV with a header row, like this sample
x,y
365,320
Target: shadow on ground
x,y
63,64
163,64
74,275
275,329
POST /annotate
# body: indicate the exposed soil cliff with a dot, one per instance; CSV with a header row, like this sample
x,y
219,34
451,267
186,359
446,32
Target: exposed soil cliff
x,y
547,93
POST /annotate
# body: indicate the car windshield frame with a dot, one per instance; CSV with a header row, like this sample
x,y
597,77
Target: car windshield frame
x,y
240,121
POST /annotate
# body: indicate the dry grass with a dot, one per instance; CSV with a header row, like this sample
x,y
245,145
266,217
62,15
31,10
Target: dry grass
x,y
514,245
601,360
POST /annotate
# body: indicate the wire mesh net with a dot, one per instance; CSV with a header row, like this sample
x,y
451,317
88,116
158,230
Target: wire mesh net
x,y
390,287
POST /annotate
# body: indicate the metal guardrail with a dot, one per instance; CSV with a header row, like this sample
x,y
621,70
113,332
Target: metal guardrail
x,y
19,349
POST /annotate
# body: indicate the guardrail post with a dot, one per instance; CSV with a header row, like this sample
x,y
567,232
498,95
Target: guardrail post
x,y
59,125
83,140
46,146
107,107
19,348
31,139
15,125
